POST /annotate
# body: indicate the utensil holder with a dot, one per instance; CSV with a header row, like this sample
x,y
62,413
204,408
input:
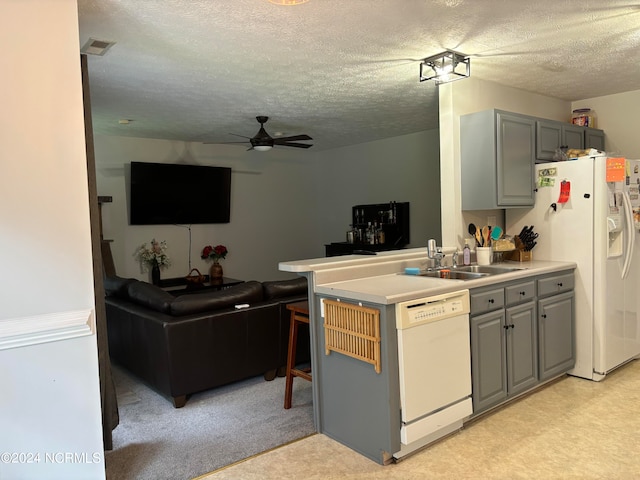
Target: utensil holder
x,y
484,255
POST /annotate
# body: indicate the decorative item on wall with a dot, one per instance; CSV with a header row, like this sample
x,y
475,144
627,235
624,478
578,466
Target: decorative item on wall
x,y
216,254
153,258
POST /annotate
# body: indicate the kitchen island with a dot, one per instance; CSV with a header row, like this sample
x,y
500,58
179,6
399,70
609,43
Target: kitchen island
x,y
357,398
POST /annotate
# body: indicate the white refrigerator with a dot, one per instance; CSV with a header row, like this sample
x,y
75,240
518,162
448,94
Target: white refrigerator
x,y
582,215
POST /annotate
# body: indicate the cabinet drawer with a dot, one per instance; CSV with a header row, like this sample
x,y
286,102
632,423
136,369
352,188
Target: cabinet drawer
x,y
521,292
555,284
487,300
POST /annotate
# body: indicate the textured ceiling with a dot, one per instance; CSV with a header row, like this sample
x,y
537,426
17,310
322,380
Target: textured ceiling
x,y
342,71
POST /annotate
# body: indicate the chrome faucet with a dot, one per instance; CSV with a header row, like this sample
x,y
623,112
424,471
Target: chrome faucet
x,y
434,252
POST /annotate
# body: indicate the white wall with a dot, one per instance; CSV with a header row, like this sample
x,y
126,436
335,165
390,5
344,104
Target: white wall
x,y
617,115
286,204
50,400
468,96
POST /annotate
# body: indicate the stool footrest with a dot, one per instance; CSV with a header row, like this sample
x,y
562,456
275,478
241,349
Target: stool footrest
x,y
306,373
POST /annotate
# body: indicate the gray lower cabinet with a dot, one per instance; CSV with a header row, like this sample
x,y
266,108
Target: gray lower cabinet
x,y
488,359
522,347
556,325
504,355
522,333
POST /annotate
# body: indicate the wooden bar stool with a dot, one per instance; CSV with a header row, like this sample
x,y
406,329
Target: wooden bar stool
x,y
299,314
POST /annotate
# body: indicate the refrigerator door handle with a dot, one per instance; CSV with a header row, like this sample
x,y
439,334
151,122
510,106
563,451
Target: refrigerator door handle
x,y
629,232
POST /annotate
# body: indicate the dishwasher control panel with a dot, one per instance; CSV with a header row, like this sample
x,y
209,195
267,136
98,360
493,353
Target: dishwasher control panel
x,y
431,309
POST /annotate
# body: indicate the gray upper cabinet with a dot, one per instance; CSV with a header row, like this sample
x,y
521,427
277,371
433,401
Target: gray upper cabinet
x,y
551,135
497,152
573,136
594,138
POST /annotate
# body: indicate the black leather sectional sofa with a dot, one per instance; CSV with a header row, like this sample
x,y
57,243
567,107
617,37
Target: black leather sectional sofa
x,y
190,343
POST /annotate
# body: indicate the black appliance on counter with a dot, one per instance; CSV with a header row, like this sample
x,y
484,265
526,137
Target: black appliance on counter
x,y
392,218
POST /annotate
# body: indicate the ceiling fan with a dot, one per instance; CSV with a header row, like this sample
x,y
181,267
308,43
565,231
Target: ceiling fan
x,y
262,141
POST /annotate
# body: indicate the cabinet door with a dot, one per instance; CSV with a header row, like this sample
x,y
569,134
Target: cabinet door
x,y
573,136
548,138
522,348
488,355
556,335
594,138
551,135
516,144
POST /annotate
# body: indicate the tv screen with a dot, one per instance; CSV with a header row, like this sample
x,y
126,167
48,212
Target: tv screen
x,y
165,193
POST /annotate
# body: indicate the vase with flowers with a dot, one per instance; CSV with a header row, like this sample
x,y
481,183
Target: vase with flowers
x,y
153,257
216,254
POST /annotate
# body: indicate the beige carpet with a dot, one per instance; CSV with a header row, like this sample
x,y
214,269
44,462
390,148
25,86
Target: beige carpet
x,y
571,429
217,427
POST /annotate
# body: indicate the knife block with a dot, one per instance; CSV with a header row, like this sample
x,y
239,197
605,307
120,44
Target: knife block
x,y
519,254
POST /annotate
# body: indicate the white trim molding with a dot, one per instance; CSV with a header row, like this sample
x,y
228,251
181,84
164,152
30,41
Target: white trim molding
x,y
50,327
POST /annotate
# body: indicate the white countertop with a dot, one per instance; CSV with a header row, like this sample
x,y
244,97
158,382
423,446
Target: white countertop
x,y
327,263
400,287
382,287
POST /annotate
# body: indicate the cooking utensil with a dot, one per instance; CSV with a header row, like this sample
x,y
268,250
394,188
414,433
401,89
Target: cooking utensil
x,y
496,232
486,231
478,237
473,231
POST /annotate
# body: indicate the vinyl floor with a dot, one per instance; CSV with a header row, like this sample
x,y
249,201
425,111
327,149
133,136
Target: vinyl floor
x,y
570,429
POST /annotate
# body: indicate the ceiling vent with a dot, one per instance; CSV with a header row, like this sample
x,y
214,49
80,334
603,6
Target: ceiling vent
x,y
96,47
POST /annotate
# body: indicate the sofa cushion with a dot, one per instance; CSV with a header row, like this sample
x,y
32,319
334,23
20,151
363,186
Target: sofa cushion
x,y
247,292
284,288
117,286
149,296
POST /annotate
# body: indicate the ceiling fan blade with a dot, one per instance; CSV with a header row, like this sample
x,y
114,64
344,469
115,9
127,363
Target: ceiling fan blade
x,y
292,138
222,143
242,136
298,145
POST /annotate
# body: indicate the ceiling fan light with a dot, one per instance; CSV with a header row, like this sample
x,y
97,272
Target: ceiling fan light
x,y
263,148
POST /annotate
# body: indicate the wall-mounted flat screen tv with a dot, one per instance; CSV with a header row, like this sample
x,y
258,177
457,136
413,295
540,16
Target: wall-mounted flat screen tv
x,y
166,193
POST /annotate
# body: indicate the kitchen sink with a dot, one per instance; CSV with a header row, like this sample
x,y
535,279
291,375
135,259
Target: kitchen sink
x,y
468,272
453,274
488,269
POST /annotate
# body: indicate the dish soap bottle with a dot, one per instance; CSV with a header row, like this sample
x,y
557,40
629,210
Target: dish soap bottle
x,y
466,254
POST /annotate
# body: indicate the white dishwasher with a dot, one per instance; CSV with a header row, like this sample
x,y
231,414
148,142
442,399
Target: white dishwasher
x,y
435,367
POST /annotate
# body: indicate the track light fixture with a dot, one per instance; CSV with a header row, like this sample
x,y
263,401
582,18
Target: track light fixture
x,y
445,67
